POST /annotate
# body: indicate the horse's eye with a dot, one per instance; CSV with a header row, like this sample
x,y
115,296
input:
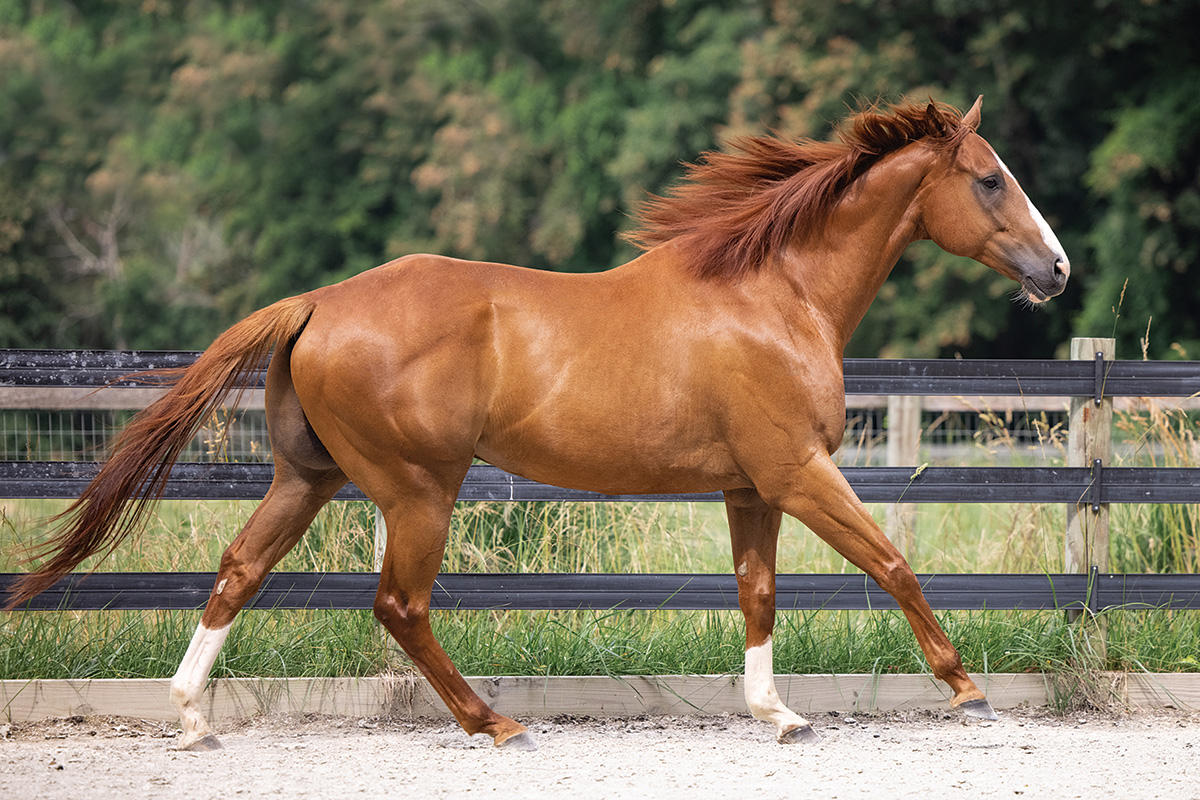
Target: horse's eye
x,y
991,183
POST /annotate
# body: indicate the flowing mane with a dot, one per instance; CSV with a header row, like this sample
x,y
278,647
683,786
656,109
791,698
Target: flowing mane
x,y
736,209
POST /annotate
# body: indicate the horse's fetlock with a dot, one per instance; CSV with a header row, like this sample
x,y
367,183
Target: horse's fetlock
x,y
947,665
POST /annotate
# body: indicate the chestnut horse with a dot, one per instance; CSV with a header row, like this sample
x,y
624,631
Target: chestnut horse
x,y
711,362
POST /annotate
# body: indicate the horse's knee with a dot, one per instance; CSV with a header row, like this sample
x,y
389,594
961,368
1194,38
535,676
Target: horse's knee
x,y
232,576
758,607
398,613
896,578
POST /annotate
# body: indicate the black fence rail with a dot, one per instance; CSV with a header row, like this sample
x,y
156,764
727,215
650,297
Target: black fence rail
x,y
546,591
1096,486
1014,377
192,481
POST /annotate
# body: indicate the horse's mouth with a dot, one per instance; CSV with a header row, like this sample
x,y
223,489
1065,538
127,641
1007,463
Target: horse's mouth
x,y
1036,293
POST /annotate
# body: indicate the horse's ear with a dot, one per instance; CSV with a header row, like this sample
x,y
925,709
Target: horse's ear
x,y
971,118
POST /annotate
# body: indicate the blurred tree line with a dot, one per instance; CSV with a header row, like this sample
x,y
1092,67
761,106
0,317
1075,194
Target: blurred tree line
x,y
167,166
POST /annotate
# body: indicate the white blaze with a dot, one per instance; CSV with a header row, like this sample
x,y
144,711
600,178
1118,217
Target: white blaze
x,y
1047,232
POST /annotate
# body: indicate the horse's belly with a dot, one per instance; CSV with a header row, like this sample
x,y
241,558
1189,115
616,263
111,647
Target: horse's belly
x,y
595,468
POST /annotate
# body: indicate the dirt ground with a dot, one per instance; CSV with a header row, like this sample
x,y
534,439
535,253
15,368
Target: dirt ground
x,y
1027,754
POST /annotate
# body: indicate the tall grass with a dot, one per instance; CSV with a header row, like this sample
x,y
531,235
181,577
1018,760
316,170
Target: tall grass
x,y
1162,537
624,537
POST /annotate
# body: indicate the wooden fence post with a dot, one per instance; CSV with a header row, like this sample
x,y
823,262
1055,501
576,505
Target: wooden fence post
x,y
903,447
380,539
1089,444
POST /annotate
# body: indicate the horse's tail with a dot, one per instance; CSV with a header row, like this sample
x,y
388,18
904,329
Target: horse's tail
x,y
115,503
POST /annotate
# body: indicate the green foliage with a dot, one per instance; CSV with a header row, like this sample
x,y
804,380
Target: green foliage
x,y
166,167
1148,171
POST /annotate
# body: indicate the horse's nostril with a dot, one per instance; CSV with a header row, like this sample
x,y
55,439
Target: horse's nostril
x,y
1061,268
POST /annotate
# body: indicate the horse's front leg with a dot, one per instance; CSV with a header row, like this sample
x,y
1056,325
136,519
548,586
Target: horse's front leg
x,y
417,525
829,507
754,531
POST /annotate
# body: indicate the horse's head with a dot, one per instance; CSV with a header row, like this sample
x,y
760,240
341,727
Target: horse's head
x,y
976,208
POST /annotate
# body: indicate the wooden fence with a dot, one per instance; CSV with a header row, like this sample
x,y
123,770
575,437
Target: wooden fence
x,y
1086,488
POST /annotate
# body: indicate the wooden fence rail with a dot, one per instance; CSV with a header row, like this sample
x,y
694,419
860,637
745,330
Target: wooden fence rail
x,y
1093,487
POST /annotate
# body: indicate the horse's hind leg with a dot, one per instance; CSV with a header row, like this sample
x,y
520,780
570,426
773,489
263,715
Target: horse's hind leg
x,y
306,478
276,525
754,532
417,523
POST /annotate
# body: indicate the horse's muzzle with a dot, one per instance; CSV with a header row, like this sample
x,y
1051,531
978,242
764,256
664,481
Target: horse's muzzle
x,y
1042,287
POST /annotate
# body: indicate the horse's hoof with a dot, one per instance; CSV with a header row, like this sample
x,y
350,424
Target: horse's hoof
x,y
204,744
520,741
978,709
804,734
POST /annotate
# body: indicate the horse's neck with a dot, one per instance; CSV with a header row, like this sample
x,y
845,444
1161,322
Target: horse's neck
x,y
838,273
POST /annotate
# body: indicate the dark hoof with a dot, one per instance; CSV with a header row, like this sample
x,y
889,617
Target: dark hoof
x,y
521,741
204,745
801,735
978,709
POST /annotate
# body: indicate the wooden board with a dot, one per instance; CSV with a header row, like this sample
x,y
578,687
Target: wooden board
x,y
76,398
600,696
1163,690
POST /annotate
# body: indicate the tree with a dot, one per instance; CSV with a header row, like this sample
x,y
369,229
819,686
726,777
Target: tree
x,y
1147,241
166,167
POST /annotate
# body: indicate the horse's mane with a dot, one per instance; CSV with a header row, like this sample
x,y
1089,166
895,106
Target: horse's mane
x,y
733,210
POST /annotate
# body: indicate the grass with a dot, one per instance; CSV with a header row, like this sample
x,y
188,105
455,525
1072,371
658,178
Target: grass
x,y
623,537
1157,538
